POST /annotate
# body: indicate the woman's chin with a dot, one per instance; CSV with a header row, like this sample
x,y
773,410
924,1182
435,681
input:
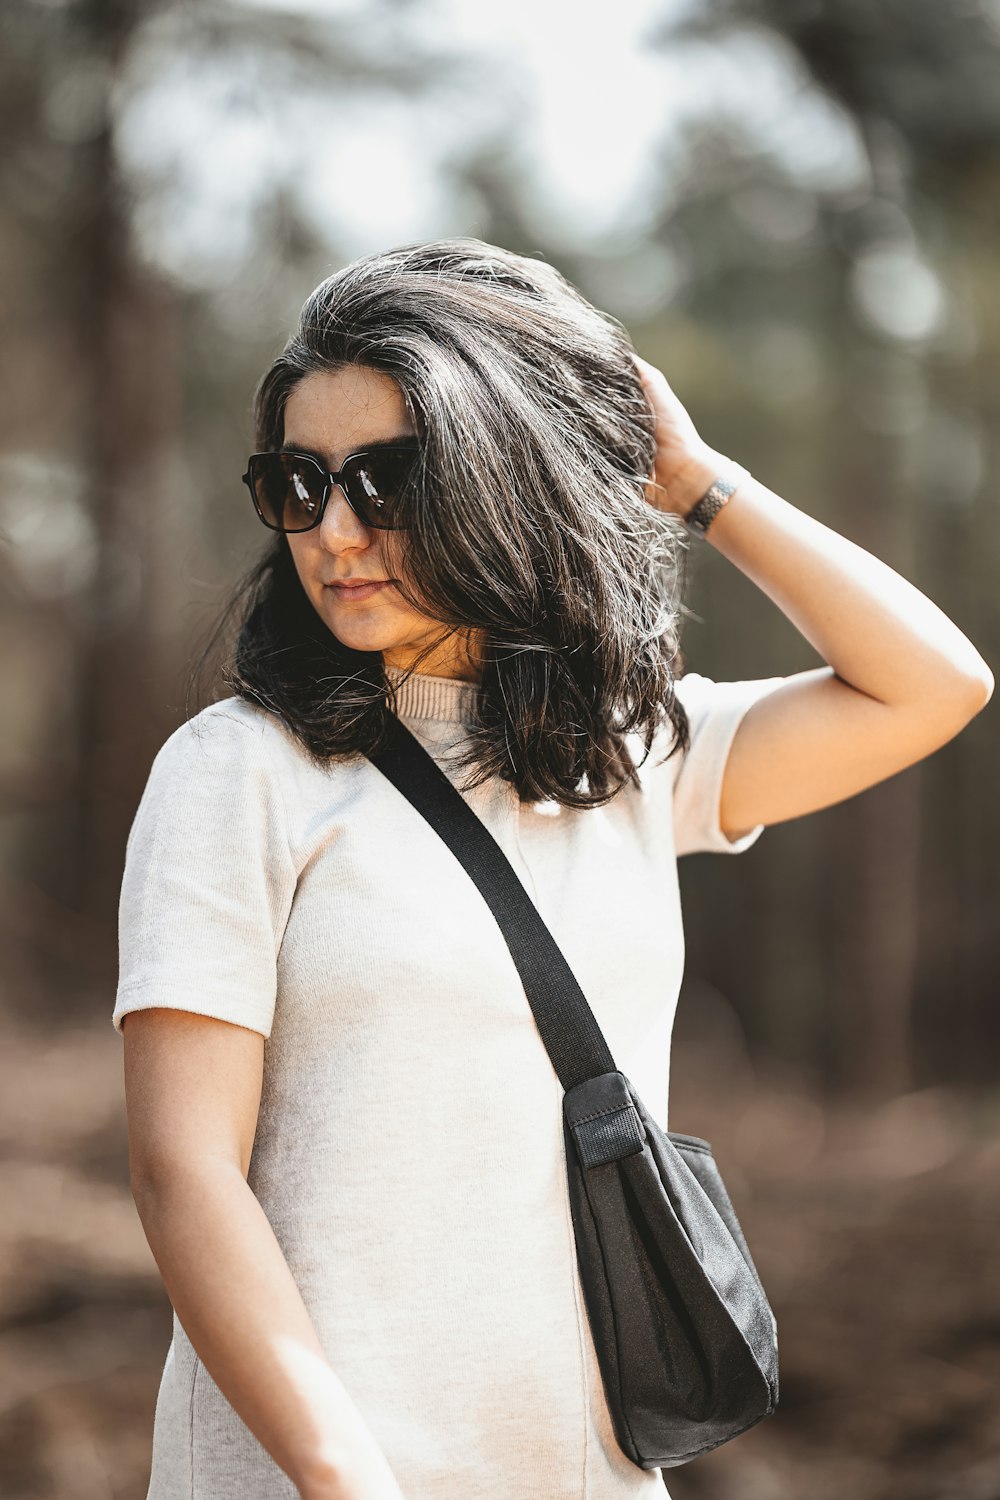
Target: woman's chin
x,y
364,627
360,634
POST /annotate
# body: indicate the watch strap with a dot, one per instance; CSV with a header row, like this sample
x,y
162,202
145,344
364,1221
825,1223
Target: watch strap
x,y
700,517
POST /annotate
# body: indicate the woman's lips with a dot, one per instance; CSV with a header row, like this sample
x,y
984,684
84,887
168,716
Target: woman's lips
x,y
357,591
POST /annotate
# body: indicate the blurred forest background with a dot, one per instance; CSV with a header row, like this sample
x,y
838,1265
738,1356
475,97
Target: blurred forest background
x,y
794,207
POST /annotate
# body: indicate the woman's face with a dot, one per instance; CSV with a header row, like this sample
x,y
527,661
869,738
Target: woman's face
x,y
334,413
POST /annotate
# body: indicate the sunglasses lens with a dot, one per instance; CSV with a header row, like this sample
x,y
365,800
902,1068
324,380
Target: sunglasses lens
x,y
378,482
288,490
288,487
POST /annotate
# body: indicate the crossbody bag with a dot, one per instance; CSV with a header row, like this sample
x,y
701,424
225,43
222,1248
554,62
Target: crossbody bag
x,y
685,1337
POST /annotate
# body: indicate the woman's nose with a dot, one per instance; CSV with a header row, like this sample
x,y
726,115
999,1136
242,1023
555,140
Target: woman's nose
x,y
340,526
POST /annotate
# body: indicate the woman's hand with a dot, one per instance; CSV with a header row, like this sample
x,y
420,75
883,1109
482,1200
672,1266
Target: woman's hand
x,y
684,465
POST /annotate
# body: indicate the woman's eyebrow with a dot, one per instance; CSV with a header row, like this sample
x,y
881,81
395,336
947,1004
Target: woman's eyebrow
x,y
404,439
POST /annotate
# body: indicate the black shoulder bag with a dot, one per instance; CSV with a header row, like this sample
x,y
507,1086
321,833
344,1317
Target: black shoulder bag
x,y
685,1336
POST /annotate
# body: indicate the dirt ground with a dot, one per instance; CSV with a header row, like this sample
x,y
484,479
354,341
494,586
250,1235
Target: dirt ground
x,y
875,1232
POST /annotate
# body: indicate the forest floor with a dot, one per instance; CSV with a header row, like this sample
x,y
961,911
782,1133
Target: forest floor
x,y
875,1232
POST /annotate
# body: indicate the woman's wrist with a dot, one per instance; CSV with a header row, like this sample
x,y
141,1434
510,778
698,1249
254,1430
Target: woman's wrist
x,y
689,483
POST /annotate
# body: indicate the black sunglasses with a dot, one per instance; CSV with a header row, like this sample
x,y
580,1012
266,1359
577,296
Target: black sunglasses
x,y
290,490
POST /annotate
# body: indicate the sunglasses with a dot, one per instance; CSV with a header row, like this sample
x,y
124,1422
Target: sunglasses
x,y
290,490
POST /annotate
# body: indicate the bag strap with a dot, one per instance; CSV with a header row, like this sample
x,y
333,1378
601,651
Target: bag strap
x,y
568,1026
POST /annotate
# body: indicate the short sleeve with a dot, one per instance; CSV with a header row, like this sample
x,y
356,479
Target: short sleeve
x,y
208,878
714,710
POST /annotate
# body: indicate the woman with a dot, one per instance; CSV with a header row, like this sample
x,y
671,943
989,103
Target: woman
x,y
346,1138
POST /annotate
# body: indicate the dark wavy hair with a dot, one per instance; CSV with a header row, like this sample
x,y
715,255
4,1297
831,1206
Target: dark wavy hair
x,y
527,524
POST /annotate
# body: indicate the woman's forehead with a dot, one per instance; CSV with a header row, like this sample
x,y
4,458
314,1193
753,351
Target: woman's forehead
x,y
338,411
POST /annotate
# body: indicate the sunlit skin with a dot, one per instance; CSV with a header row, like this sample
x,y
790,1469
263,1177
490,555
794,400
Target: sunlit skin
x,y
334,413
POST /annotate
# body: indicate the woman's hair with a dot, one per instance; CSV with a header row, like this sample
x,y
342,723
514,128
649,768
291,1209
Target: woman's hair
x,y
526,521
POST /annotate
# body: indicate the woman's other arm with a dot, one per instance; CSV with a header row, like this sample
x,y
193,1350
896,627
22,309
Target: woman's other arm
x,y
192,1087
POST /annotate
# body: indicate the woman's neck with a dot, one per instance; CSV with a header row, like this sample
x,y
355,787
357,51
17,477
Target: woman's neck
x,y
450,658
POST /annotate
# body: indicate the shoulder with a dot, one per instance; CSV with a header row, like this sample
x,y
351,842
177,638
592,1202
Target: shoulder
x,y
714,706
215,767
715,709
230,732
236,756
689,776
229,720
694,694
693,690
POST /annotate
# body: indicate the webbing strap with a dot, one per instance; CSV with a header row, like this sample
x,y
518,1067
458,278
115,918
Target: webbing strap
x,y
567,1025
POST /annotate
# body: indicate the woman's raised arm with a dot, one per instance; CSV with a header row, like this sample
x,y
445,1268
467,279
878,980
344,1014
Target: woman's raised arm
x,y
901,678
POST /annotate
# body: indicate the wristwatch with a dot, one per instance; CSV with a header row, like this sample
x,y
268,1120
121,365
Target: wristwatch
x,y
700,517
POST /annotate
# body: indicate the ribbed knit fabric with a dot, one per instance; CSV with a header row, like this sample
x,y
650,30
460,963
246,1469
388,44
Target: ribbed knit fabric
x,y
409,1152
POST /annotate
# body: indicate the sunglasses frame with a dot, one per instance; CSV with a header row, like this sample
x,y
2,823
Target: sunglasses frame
x,y
330,479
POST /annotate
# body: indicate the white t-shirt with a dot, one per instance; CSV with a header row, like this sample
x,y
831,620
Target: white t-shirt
x,y
409,1152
